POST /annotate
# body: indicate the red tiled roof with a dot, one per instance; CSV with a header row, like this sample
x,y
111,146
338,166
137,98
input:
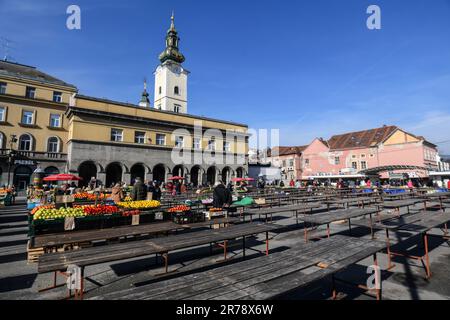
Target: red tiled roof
x,y
361,139
284,151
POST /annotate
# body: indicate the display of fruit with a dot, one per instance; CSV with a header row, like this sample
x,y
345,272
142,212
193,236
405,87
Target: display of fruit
x,y
35,209
128,198
215,209
180,208
47,214
143,204
207,201
130,213
85,196
99,210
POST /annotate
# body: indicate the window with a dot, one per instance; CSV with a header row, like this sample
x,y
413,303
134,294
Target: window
x,y
226,146
160,139
55,120
307,162
284,163
337,160
176,108
159,106
116,135
355,165
2,88
27,117
353,156
291,162
160,90
139,137
196,144
179,142
371,155
176,90
2,114
25,142
212,144
57,96
30,92
53,145
363,165
362,156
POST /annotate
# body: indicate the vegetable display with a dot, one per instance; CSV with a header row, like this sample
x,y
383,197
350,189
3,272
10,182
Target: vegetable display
x,y
130,213
180,208
99,210
85,196
142,205
46,214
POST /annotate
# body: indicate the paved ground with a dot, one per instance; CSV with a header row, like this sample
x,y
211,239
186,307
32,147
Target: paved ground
x,y
19,280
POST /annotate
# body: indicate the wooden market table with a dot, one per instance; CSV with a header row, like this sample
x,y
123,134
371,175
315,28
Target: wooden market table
x,y
420,223
312,222
264,277
59,262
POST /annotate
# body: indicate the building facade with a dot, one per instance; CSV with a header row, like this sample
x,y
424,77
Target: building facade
x,y
348,154
33,126
46,124
288,159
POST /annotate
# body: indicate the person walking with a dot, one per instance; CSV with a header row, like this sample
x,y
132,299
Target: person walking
x,y
139,191
448,185
116,193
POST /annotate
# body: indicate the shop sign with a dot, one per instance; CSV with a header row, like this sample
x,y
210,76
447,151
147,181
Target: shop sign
x,y
25,162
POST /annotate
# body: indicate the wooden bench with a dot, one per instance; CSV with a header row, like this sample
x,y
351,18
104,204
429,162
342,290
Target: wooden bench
x,y
58,262
263,277
312,222
296,209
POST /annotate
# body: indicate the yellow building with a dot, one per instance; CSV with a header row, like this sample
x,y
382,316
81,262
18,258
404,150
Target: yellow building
x,y
32,123
59,130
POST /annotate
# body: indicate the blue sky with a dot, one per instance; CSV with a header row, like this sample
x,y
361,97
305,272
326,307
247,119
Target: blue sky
x,y
310,68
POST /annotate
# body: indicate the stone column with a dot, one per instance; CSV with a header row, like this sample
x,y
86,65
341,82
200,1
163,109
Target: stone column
x,y
102,177
149,176
126,177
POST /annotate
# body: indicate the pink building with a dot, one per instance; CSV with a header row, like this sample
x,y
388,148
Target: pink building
x,y
288,159
345,155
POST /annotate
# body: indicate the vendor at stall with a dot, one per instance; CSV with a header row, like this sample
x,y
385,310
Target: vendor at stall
x,y
221,196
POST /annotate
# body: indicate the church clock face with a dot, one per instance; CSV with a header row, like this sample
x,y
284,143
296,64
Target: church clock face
x,y
177,70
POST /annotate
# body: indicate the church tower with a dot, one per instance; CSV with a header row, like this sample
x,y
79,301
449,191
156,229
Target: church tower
x,y
170,76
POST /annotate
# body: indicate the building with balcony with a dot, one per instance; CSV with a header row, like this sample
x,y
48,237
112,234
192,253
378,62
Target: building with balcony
x,y
46,123
33,126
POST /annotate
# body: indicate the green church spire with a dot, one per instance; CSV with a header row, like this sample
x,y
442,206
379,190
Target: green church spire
x,y
171,52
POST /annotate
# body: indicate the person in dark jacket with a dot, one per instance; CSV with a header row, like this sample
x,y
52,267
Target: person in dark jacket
x,y
139,191
221,196
156,192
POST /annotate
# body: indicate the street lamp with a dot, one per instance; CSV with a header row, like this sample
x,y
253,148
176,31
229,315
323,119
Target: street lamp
x,y
11,155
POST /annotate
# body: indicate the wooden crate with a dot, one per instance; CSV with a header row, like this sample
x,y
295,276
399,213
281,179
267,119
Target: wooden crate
x,y
33,254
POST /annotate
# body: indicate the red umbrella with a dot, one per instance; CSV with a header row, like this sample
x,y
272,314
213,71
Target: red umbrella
x,y
62,177
249,179
176,178
238,179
